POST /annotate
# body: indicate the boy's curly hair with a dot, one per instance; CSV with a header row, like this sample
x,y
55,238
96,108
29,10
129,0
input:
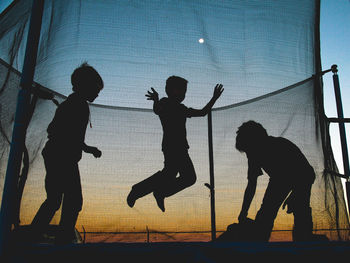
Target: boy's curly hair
x,y
175,83
84,77
249,133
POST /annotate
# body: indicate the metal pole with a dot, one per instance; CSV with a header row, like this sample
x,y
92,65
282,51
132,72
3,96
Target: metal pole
x,y
342,130
211,173
18,134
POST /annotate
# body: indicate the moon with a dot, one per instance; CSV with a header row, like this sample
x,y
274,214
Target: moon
x,y
201,40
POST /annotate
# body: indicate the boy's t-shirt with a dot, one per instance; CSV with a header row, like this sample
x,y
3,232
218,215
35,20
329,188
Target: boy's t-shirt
x,y
281,160
173,119
66,132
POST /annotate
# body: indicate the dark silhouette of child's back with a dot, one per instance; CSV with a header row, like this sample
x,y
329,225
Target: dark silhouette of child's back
x,y
173,118
290,174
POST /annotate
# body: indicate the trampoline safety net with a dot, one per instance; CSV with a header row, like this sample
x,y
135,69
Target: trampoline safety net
x,y
263,52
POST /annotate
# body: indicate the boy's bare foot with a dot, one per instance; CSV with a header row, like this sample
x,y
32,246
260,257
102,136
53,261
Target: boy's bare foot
x,y
160,201
131,199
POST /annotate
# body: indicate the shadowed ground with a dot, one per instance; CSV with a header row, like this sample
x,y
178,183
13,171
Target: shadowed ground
x,y
322,251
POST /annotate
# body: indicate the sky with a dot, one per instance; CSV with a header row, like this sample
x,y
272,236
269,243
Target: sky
x,y
335,38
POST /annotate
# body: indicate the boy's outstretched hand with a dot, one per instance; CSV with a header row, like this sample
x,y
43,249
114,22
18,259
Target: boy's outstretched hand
x,y
96,152
93,150
152,95
217,91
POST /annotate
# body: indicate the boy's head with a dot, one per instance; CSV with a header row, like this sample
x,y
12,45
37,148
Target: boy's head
x,y
176,88
249,136
86,81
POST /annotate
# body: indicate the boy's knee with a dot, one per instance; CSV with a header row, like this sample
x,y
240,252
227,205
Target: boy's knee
x,y
191,180
54,204
302,214
73,202
267,215
77,205
77,209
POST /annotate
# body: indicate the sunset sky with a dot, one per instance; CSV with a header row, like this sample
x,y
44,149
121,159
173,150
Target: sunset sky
x,y
335,36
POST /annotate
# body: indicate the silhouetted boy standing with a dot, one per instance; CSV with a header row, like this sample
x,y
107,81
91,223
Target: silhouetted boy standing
x,y
62,152
172,114
289,172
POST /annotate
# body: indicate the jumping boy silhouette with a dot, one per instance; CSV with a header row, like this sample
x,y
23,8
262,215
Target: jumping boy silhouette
x,y
62,152
289,172
172,114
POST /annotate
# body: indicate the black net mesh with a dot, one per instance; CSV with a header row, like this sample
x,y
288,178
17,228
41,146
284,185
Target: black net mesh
x,y
257,49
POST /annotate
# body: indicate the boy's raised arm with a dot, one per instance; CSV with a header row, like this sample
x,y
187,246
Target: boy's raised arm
x,y
217,93
153,95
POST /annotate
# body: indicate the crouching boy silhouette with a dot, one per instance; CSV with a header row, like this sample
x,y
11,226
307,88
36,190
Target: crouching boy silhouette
x,y
172,114
62,152
289,172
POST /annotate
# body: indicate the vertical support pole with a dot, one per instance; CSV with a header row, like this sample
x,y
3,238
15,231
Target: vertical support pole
x,y
18,134
211,174
342,131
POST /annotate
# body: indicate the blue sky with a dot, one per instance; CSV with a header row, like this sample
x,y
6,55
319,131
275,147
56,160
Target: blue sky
x,y
335,39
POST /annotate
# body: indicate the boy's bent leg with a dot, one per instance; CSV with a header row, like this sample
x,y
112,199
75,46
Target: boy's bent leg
x,y
144,187
72,205
180,162
66,234
303,224
173,159
52,203
42,219
275,194
187,176
45,213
